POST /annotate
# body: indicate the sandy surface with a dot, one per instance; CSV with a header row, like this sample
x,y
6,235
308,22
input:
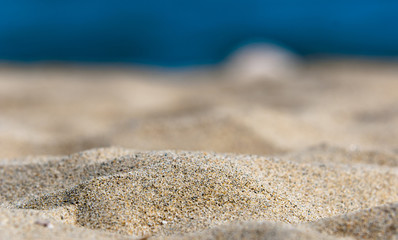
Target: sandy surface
x,y
119,153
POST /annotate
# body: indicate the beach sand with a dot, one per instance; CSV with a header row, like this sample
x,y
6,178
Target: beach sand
x,y
120,153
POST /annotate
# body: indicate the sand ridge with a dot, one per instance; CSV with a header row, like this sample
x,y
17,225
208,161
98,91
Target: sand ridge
x,y
164,192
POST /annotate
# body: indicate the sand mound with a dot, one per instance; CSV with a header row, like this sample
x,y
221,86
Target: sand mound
x,y
171,192
168,192
374,223
30,224
321,190
327,154
32,177
254,230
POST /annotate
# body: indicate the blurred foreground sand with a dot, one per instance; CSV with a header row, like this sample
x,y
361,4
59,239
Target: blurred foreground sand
x,y
309,155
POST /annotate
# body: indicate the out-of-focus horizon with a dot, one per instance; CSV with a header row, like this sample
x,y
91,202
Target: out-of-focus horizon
x,y
181,33
179,65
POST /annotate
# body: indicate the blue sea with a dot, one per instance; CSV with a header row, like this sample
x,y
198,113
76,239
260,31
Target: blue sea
x,y
181,33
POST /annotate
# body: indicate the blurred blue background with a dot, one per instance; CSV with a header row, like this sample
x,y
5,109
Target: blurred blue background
x,y
181,32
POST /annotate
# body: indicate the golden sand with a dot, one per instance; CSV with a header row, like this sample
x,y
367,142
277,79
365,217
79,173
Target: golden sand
x,y
201,156
374,223
165,192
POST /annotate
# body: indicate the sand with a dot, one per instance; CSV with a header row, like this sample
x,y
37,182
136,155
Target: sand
x,y
119,153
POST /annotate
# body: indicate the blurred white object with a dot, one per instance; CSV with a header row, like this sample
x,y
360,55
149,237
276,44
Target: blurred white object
x,y
261,61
